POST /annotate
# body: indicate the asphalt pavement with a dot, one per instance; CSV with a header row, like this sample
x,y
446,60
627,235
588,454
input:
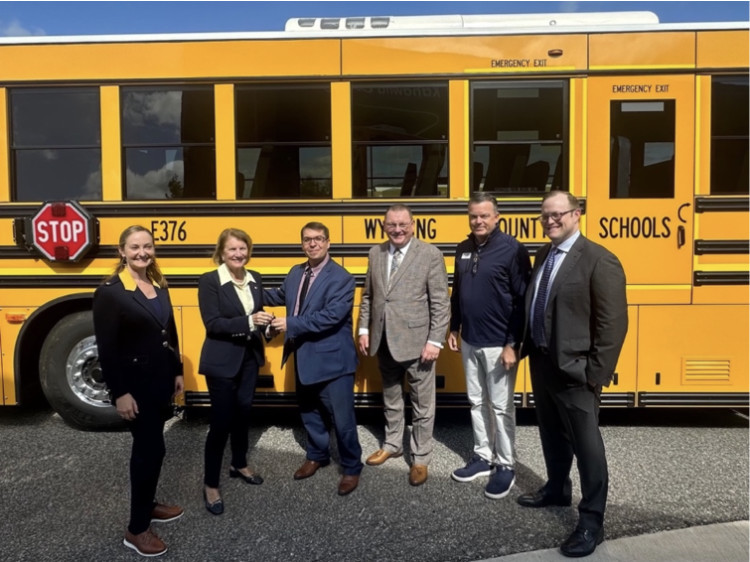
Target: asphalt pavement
x,y
727,542
679,487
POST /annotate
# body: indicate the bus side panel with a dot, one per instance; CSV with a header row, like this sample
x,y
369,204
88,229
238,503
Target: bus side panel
x,y
9,330
626,371
726,49
693,349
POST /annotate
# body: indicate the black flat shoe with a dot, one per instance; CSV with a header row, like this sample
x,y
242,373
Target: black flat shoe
x,y
215,508
256,479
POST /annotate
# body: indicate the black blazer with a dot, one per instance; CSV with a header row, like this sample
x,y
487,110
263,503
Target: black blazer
x,y
586,318
138,348
228,332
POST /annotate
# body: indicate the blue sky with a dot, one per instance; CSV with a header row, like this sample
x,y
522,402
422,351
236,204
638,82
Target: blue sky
x,y
104,18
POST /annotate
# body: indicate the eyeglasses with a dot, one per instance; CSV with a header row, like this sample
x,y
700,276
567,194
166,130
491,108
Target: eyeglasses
x,y
399,226
556,217
319,239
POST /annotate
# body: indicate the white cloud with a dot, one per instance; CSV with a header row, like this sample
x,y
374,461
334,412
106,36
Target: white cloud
x,y
14,28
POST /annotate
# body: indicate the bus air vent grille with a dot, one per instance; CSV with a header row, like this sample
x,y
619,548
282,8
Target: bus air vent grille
x,y
705,370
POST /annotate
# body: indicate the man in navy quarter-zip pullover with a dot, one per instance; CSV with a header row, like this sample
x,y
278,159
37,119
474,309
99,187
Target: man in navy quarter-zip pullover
x,y
490,276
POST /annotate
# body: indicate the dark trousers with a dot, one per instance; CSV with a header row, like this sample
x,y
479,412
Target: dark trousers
x,y
231,401
568,417
331,403
146,458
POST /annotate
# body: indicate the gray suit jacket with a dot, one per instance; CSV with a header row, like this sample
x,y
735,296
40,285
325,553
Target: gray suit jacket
x,y
416,307
586,318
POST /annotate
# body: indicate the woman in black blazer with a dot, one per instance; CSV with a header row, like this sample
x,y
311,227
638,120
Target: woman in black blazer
x,y
231,305
138,352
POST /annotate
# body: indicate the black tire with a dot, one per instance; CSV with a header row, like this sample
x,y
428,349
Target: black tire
x,y
71,378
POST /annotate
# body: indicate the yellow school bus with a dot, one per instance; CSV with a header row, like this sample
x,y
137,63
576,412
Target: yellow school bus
x,y
335,119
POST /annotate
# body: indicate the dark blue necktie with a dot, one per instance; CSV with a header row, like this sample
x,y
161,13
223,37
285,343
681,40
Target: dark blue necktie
x,y
537,329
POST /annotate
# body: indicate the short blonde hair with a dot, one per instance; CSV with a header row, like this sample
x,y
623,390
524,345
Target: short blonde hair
x,y
224,236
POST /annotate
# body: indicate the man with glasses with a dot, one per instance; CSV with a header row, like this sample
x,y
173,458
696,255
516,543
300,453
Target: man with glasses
x,y
403,319
577,318
319,295
489,282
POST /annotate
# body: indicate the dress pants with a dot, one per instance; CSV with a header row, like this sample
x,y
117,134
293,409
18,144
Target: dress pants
x,y
489,388
329,403
146,458
568,416
421,379
231,401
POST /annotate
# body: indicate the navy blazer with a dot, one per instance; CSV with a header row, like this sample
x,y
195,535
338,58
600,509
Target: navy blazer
x,y
321,334
138,348
228,333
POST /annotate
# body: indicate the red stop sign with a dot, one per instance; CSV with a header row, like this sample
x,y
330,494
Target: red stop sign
x,y
62,231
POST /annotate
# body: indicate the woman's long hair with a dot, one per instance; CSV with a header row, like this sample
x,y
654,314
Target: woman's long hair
x,y
153,272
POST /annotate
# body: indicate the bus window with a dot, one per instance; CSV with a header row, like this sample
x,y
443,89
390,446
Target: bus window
x,y
729,135
518,137
400,140
283,141
642,149
168,142
55,136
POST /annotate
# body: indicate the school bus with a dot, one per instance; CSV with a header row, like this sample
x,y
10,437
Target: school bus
x,y
333,120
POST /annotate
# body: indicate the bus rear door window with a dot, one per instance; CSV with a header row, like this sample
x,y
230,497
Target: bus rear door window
x,y
55,136
168,142
642,146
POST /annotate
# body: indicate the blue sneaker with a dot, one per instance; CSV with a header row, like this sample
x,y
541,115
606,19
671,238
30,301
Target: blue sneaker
x,y
500,483
475,468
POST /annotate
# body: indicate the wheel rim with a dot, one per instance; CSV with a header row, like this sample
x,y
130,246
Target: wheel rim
x,y
85,375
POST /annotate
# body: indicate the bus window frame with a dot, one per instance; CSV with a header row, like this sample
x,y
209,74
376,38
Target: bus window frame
x,y
557,179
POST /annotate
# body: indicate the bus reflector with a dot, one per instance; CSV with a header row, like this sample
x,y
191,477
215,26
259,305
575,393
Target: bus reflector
x,y
15,318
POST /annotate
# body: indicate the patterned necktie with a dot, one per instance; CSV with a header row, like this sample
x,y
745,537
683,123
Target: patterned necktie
x,y
303,291
537,331
395,262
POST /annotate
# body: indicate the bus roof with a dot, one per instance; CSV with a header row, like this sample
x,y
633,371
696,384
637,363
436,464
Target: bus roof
x,y
409,26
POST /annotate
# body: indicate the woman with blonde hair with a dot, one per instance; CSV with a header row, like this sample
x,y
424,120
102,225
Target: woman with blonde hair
x,y
231,305
136,337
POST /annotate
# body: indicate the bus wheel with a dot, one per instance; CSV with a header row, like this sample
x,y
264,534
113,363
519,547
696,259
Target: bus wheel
x,y
71,377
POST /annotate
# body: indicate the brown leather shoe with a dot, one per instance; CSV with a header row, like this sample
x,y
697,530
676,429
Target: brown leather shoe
x,y
380,456
145,543
165,513
307,469
348,484
418,474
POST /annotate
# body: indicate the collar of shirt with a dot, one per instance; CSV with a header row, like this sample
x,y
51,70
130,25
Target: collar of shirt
x,y
226,277
316,270
129,283
392,249
567,244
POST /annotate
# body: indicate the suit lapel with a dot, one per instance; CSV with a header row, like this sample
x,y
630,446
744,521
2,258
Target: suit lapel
x,y
315,288
568,265
295,276
231,295
382,264
407,259
142,300
257,295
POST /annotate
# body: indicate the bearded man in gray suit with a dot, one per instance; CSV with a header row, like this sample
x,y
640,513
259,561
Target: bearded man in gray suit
x,y
403,320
